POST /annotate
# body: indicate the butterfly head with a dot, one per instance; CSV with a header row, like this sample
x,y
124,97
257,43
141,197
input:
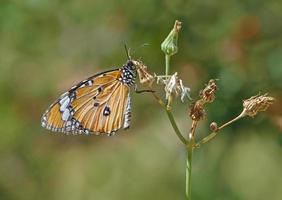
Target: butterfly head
x,y
128,73
132,68
130,65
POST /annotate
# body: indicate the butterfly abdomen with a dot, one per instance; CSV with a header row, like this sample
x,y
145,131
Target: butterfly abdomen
x,y
127,114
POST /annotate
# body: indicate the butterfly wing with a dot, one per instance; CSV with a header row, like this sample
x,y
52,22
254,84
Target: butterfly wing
x,y
101,104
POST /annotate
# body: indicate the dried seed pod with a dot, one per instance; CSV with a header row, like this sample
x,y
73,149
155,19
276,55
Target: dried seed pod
x,y
197,111
257,104
208,93
145,77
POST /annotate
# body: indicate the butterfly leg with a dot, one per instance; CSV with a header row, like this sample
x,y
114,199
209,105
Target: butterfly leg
x,y
142,91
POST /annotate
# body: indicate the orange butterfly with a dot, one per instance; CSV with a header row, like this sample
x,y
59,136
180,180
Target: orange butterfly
x,y
100,104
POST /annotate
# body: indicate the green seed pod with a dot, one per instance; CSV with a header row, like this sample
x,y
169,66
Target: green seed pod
x,y
169,45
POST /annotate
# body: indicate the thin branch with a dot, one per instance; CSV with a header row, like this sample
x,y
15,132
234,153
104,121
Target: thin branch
x,y
188,182
174,125
171,118
167,64
216,132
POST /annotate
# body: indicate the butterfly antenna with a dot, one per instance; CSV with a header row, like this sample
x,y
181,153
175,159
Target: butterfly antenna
x,y
144,45
141,46
127,51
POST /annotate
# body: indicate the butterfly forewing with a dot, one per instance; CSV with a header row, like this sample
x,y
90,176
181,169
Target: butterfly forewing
x,y
100,104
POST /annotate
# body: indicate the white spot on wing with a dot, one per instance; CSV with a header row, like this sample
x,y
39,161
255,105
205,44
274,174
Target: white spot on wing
x,y
66,115
68,123
43,124
64,103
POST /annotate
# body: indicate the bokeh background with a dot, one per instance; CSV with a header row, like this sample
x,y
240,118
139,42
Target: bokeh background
x,y
48,46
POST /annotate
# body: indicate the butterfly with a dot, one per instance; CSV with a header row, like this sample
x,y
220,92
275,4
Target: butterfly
x,y
101,104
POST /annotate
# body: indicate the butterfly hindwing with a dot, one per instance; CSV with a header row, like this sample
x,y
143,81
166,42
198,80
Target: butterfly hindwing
x,y
100,105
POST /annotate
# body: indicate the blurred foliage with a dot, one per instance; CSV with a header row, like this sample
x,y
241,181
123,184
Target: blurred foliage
x,y
48,46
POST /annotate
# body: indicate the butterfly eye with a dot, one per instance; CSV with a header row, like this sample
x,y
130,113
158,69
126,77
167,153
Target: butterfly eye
x,y
130,65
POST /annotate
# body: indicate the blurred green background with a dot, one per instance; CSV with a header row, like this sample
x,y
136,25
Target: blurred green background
x,y
48,46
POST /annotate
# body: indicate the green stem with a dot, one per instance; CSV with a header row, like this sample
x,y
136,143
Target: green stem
x,y
171,118
189,170
190,147
167,64
176,129
206,139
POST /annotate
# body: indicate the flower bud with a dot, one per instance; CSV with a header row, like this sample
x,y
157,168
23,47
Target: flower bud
x,y
213,127
169,45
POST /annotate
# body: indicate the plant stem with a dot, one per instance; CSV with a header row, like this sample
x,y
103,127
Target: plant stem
x,y
167,64
168,106
176,129
243,114
189,172
214,134
190,147
171,118
159,100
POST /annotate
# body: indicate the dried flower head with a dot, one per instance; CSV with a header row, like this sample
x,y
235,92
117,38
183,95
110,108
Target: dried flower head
x,y
174,86
197,111
145,77
208,93
257,104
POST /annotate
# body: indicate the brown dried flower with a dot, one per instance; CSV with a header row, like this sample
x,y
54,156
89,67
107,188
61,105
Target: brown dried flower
x,y
197,111
257,104
145,77
208,93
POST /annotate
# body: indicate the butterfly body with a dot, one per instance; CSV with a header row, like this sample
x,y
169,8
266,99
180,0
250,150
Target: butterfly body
x,y
100,104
